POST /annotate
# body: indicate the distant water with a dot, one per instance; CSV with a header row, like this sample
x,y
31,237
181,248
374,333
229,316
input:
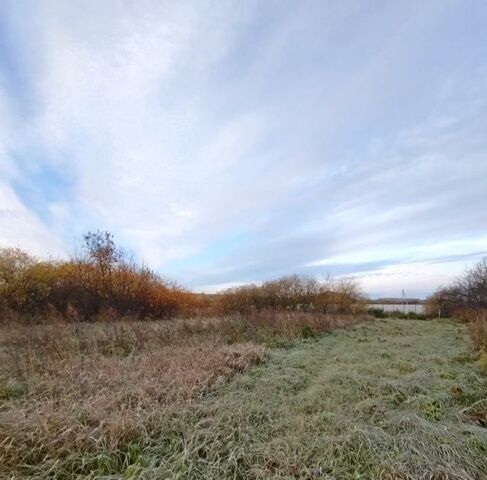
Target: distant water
x,y
389,307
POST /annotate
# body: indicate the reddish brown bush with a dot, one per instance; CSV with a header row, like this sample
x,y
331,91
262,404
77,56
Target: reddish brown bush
x,y
294,293
466,300
468,292
102,284
99,283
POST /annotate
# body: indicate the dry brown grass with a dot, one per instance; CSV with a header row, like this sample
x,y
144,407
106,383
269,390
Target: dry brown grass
x,y
75,388
82,387
478,329
271,327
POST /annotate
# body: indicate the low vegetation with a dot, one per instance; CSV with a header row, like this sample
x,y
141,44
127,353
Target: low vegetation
x,y
70,392
101,282
467,294
466,300
295,292
389,399
109,371
380,313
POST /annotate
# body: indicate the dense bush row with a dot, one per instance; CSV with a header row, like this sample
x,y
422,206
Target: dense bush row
x,y
295,293
101,283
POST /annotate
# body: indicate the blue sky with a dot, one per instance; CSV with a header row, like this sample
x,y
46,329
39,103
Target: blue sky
x,y
229,142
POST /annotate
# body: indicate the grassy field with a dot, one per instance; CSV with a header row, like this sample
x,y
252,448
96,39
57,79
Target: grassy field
x,y
388,399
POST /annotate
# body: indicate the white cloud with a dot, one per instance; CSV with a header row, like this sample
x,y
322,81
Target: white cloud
x,y
416,279
21,228
124,96
314,131
410,253
217,287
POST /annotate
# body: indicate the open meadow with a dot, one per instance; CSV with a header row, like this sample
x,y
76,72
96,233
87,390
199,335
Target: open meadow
x,y
108,371
243,240
382,399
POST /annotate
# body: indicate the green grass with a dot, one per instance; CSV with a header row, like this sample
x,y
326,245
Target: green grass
x,y
383,400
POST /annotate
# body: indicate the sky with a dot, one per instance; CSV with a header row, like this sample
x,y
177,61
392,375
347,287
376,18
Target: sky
x,y
227,142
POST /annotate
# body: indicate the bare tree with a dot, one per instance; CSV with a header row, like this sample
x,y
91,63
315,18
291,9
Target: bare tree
x,y
102,252
469,291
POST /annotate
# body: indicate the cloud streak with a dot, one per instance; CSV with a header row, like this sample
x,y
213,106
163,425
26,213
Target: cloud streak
x,y
231,142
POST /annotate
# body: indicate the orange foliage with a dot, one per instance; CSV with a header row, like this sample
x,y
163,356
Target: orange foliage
x,y
294,292
102,284
99,284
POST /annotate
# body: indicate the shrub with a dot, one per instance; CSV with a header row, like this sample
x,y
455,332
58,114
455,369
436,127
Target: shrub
x,y
466,300
101,283
294,293
468,292
380,313
377,312
101,280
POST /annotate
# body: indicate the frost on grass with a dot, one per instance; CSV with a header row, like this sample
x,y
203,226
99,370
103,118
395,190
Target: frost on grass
x,y
381,401
389,399
76,389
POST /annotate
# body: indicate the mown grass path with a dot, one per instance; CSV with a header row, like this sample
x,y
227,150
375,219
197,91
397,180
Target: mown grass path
x,y
381,400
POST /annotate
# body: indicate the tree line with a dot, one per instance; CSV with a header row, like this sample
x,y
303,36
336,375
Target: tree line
x,y
295,293
101,282
465,296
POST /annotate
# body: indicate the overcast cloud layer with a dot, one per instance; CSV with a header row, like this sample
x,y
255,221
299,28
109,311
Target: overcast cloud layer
x,y
227,142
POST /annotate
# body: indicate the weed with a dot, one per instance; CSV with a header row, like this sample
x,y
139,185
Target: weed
x,y
11,389
433,410
307,332
405,367
482,362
